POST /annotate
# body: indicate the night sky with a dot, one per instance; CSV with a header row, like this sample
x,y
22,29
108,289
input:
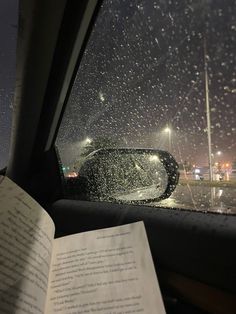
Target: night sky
x,y
144,69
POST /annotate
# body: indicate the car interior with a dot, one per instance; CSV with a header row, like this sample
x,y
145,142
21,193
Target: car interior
x,y
193,251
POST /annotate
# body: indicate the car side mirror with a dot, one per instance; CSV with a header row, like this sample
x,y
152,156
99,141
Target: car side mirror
x,y
129,175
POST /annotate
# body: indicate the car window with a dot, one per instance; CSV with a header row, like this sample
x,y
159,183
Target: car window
x,y
8,34
160,75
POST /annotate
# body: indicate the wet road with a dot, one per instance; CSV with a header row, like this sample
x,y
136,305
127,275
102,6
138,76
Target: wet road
x,y
202,198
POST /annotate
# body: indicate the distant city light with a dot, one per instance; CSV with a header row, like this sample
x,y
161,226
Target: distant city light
x,y
72,174
219,153
101,96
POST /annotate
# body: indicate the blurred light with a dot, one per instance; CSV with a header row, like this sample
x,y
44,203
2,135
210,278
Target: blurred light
x,y
72,175
219,153
167,130
154,158
101,96
88,141
197,171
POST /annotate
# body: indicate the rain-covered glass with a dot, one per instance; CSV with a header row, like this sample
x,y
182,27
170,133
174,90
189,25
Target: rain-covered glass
x,y
161,75
132,175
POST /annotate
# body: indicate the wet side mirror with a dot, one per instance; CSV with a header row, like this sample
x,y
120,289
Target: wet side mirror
x,y
129,175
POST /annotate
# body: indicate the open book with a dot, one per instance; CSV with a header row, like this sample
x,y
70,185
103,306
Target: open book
x,y
107,271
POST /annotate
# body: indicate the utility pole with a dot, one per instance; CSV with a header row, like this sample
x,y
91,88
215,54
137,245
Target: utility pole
x,y
208,112
168,131
169,137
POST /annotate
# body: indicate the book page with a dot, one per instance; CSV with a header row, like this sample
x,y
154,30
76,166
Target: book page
x,y
26,237
107,271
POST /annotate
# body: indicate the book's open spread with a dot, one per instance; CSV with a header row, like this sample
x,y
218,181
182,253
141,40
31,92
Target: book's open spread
x,y
107,271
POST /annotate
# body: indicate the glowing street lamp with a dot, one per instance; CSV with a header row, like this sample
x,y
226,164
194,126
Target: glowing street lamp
x,y
216,156
167,130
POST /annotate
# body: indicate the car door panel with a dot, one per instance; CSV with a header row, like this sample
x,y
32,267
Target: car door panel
x,y
190,243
